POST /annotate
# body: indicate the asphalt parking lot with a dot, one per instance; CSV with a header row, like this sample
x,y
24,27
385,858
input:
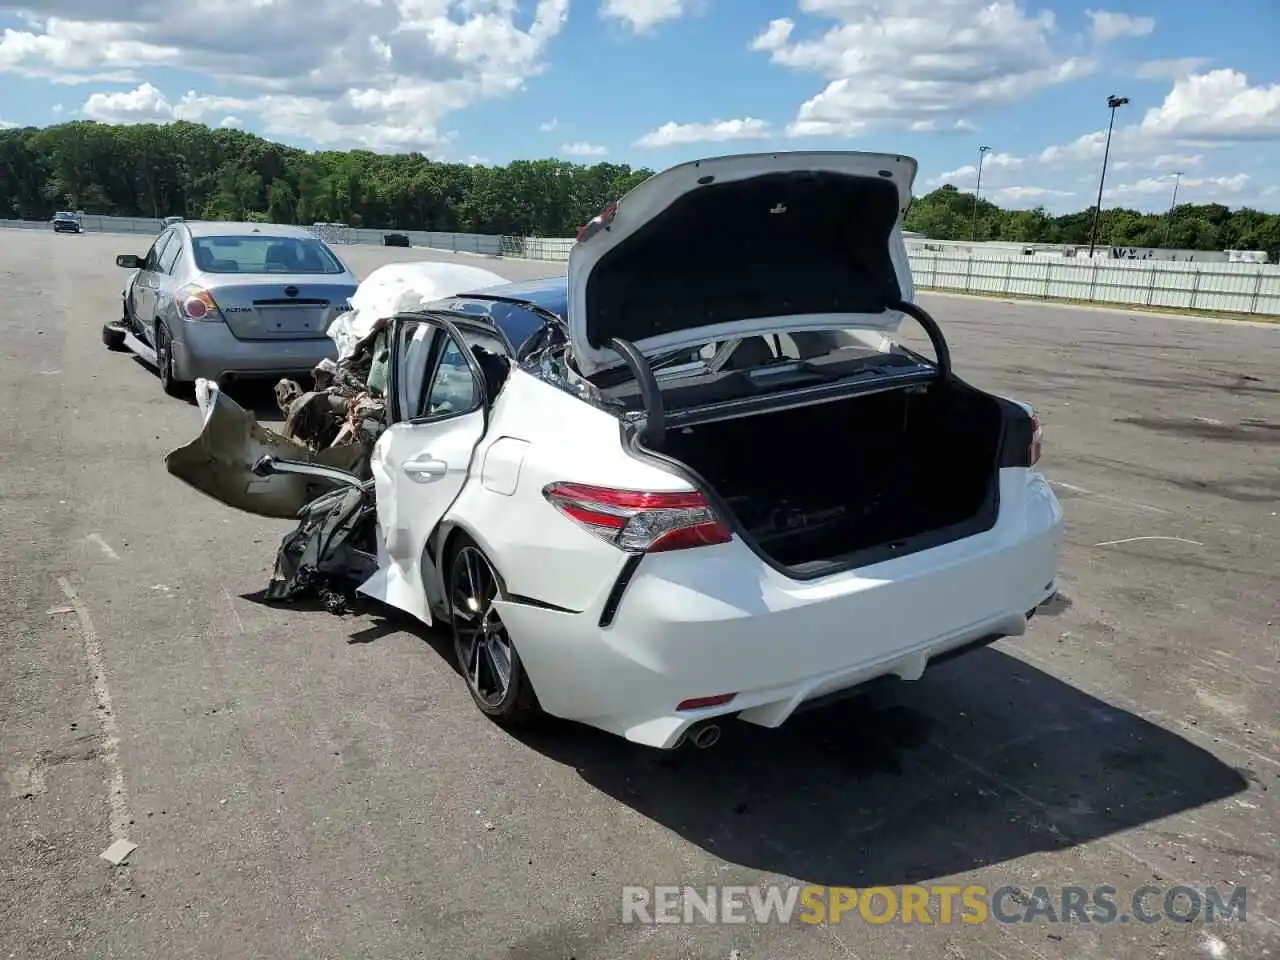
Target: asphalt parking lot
x,y
302,784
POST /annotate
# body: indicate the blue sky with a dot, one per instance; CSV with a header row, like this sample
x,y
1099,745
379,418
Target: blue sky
x,y
655,82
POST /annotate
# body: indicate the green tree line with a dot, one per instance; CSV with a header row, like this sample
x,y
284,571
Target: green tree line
x,y
190,170
947,214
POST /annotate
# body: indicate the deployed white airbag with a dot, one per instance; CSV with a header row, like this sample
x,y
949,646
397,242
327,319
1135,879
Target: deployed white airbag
x,y
399,287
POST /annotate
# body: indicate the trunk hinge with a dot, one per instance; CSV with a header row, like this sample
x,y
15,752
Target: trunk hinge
x,y
654,433
941,351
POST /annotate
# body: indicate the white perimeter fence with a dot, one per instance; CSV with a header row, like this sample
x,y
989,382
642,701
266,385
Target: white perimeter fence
x,y
1178,285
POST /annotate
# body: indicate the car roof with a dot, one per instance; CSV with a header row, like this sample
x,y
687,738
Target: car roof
x,y
231,228
550,293
518,323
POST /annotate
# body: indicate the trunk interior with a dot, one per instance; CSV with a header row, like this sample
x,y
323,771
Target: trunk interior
x,y
855,481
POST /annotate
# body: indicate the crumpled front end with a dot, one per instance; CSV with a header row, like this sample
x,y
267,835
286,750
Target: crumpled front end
x,y
221,461
317,468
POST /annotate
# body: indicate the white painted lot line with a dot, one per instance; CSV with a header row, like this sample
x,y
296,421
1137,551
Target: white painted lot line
x,y
117,798
1113,543
1086,492
102,545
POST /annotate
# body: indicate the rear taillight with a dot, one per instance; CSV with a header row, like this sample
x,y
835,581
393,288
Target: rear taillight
x,y
639,521
197,303
1037,438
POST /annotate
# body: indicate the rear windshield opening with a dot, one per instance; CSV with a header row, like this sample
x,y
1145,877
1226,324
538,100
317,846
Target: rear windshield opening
x,y
263,255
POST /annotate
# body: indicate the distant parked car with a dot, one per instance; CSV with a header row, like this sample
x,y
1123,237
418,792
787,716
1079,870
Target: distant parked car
x,y
64,222
170,221
396,240
231,300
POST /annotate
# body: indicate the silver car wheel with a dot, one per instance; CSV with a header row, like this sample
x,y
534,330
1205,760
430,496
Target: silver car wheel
x,y
480,638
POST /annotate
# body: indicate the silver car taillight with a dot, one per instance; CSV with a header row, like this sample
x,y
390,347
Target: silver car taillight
x,y
197,303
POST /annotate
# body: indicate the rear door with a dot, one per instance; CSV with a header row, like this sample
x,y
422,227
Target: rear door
x,y
438,409
166,266
144,287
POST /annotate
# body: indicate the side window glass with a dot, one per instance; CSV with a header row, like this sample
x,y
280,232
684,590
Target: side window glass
x,y
169,256
157,248
453,388
414,355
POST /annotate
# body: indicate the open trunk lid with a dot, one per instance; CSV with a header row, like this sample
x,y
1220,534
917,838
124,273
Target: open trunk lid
x,y
743,245
281,307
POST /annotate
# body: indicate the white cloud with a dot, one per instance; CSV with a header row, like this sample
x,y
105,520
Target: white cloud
x,y
966,177
932,126
231,121
75,51
56,109
1170,69
583,149
1201,111
375,73
7,125
643,15
1188,132
672,134
143,104
146,104
1108,26
900,62
775,35
1021,198
1176,161
549,125
1218,105
1190,189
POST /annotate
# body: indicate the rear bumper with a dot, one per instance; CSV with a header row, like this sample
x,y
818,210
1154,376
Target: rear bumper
x,y
210,350
717,620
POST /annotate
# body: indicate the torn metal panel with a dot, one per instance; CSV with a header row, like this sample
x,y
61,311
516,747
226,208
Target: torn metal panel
x,y
219,462
331,551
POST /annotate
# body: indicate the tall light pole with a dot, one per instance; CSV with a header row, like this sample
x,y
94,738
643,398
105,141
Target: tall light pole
x,y
1113,102
982,155
1177,179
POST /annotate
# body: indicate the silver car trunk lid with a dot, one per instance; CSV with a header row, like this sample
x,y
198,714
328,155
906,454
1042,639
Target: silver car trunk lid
x,y
743,245
280,307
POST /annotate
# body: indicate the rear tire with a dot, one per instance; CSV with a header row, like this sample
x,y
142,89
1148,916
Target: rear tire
x,y
164,362
487,658
113,335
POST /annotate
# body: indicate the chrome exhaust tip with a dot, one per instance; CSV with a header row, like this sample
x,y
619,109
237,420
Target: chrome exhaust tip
x,y
705,737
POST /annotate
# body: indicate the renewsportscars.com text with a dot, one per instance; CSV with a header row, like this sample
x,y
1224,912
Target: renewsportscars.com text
x,y
939,904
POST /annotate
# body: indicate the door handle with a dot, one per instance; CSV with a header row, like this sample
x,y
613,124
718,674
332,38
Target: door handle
x,y
425,469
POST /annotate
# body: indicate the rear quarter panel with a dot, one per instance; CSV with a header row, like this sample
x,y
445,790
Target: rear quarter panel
x,y
539,434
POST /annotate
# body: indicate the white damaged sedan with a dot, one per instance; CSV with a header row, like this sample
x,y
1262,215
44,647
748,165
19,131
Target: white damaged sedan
x,y
715,485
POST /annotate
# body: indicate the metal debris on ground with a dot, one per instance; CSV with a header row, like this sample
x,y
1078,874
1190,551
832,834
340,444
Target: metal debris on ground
x,y
118,852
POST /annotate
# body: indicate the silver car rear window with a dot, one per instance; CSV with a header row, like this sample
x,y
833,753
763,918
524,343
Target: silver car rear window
x,y
263,255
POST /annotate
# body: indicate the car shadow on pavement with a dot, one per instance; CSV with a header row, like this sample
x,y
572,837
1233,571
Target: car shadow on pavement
x,y
985,760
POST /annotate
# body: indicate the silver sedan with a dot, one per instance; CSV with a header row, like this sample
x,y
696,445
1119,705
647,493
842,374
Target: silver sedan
x,y
228,301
